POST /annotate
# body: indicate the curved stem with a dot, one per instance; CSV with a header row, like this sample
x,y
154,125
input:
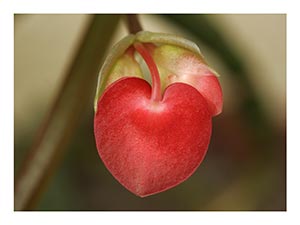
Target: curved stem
x,y
65,114
156,90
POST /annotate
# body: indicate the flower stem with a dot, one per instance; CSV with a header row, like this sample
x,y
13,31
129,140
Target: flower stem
x,y
133,23
156,90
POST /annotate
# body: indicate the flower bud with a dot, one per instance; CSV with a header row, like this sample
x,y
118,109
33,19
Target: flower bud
x,y
177,59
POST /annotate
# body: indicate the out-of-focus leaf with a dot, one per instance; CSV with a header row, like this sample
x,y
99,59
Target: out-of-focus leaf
x,y
208,33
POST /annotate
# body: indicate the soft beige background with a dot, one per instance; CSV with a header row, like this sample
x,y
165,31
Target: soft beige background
x,y
244,168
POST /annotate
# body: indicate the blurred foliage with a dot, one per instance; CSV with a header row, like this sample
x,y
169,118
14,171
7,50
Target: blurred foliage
x,y
245,167
71,101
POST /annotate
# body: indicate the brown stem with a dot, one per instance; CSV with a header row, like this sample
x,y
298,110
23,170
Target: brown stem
x,y
133,23
63,118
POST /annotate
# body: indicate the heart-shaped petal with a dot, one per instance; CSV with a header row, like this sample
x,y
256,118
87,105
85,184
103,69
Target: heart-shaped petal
x,y
151,146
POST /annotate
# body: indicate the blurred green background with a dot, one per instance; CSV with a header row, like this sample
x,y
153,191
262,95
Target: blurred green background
x,y
245,167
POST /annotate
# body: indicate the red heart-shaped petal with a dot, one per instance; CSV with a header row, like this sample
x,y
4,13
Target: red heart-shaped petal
x,y
151,146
